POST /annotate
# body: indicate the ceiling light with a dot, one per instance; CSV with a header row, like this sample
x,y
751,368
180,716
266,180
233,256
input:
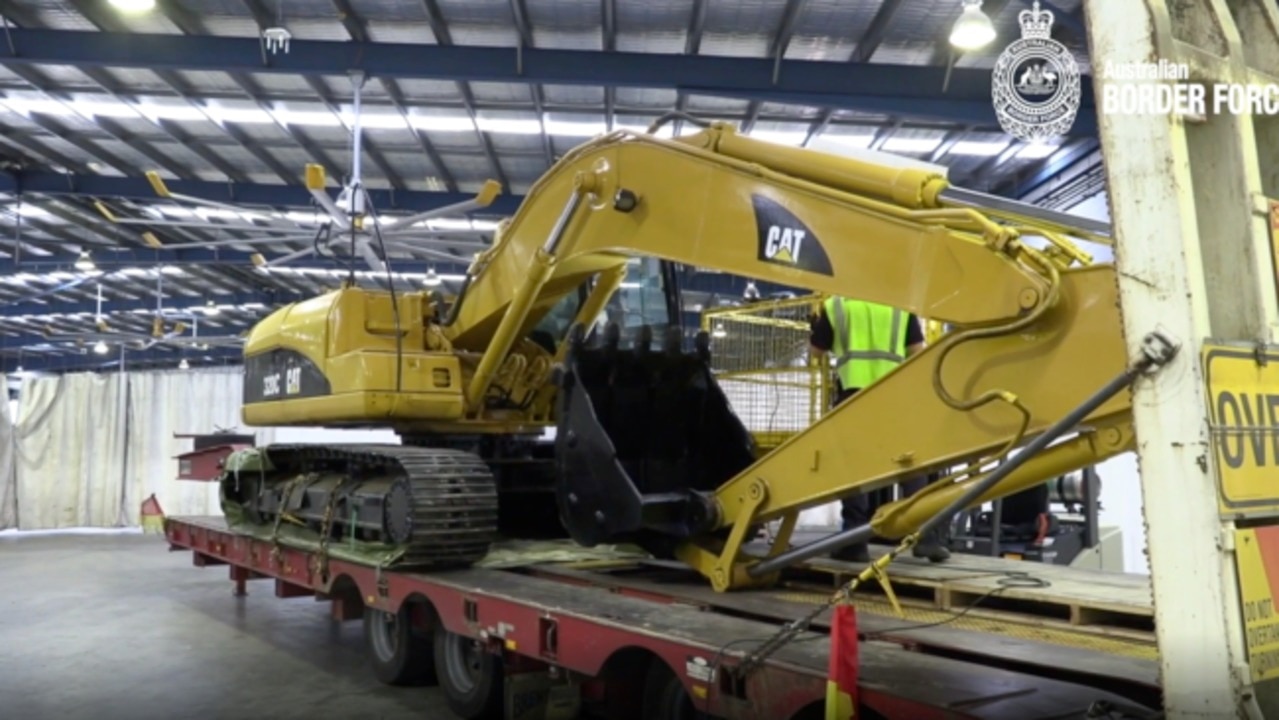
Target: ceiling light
x,y
100,348
133,6
276,39
973,30
719,331
212,310
184,365
84,263
431,279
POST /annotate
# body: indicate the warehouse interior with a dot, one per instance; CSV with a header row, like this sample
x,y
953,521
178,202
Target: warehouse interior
x,y
80,133
174,172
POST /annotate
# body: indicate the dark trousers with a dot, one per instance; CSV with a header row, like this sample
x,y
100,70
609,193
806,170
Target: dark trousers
x,y
860,508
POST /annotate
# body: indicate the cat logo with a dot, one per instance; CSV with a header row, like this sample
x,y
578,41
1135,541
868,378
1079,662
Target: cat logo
x,y
783,244
785,240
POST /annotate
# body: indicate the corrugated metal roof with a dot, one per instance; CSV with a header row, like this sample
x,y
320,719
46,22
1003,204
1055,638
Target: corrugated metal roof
x,y
265,126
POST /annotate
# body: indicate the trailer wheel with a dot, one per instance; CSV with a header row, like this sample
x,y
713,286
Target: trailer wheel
x,y
665,697
400,653
472,678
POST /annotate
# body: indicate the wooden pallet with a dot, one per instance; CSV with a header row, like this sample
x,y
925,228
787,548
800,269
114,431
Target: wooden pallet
x,y
1104,602
1004,638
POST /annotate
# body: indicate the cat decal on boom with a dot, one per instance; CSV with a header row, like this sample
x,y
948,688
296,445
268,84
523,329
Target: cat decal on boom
x,y
785,240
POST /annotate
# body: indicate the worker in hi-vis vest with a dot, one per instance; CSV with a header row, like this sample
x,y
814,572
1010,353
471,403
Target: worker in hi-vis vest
x,y
868,341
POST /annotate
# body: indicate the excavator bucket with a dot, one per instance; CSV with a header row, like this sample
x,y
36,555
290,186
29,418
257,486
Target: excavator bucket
x,y
643,438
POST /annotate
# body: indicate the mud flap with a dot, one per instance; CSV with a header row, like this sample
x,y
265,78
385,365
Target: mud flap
x,y
642,440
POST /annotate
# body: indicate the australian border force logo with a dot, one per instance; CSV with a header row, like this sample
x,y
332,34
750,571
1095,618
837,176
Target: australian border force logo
x,y
1036,82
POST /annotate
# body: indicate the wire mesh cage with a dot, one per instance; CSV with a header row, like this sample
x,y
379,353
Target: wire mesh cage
x,y
760,356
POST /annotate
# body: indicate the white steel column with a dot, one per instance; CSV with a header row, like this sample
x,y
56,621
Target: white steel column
x,y
1194,259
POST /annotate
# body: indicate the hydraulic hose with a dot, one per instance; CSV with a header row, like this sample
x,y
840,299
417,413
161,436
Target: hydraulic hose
x,y
673,116
964,336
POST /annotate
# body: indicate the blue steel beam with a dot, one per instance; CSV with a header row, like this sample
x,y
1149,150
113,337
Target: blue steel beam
x,y
147,303
31,342
897,90
133,359
165,357
51,183
14,338
106,258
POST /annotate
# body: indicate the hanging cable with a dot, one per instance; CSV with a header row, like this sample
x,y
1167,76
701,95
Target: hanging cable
x,y
351,266
390,283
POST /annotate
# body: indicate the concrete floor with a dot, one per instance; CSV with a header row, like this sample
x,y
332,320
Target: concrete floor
x,y
107,626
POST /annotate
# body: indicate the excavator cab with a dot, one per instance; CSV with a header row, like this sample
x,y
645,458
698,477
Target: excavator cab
x,y
649,296
644,432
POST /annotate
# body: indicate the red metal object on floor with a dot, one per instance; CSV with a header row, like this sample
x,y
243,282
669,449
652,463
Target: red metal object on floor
x,y
204,463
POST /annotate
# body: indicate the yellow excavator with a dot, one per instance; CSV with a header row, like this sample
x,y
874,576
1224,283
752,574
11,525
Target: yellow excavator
x,y
571,321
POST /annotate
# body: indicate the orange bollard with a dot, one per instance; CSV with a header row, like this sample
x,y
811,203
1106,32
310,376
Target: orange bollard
x,y
841,682
152,516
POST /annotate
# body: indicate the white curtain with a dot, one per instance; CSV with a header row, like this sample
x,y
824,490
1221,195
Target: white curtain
x,y
86,450
8,471
183,402
70,451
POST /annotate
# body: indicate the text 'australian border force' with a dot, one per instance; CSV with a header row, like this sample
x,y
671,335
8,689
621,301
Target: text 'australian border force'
x,y
1165,88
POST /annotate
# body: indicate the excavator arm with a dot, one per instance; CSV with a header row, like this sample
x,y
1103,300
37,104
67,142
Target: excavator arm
x,y
1034,333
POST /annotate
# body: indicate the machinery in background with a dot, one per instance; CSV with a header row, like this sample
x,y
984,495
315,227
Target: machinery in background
x,y
1055,523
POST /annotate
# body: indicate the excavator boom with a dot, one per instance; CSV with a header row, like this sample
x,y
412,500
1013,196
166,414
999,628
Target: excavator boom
x,y
628,195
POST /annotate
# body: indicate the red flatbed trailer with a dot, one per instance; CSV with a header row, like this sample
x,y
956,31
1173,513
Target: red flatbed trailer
x,y
626,646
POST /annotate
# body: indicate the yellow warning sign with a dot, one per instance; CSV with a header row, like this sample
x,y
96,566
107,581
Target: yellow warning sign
x,y
1243,408
1257,564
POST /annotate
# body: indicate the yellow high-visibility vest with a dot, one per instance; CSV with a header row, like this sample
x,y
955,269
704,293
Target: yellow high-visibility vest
x,y
870,340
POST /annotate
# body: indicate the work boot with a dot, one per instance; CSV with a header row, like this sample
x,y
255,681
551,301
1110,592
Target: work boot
x,y
932,546
856,553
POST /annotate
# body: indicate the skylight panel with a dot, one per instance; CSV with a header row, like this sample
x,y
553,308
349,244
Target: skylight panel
x,y
912,144
980,149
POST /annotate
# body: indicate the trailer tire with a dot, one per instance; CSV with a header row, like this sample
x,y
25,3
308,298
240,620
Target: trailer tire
x,y
665,697
399,653
473,679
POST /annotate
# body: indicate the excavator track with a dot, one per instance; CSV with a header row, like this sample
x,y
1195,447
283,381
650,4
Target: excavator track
x,y
438,505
